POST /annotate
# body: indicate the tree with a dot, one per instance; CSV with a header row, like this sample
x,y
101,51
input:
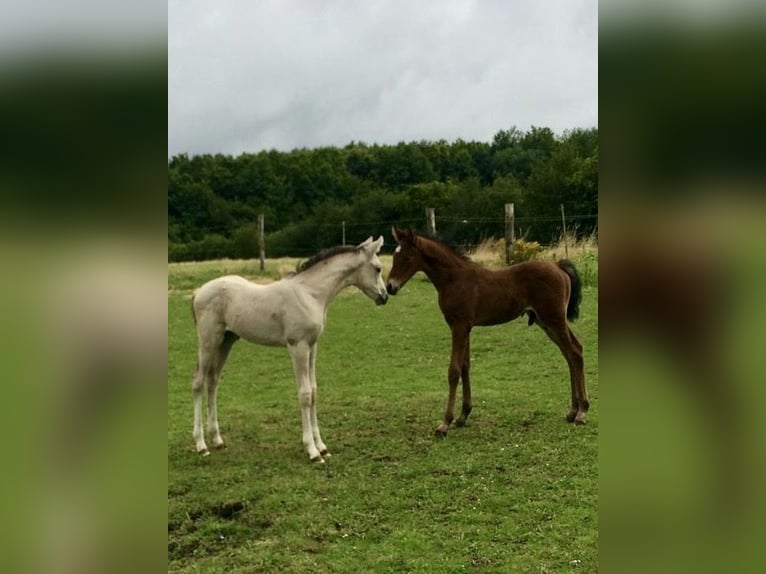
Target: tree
x,y
305,194
568,179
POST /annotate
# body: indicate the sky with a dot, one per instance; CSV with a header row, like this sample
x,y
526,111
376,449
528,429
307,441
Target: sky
x,y
246,76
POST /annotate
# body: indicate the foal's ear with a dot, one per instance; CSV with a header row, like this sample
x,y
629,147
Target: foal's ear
x,y
366,244
377,245
403,234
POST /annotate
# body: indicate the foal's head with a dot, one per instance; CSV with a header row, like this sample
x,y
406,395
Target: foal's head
x,y
407,259
367,276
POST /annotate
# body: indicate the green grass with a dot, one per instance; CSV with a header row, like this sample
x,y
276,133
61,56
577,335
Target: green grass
x,y
513,491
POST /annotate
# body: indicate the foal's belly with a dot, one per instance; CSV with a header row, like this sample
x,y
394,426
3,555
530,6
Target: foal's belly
x,y
497,319
496,311
262,331
276,330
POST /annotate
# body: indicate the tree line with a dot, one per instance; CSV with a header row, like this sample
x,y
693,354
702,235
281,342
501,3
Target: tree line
x,y
306,194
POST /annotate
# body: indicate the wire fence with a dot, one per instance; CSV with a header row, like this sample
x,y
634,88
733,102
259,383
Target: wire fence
x,y
464,232
419,222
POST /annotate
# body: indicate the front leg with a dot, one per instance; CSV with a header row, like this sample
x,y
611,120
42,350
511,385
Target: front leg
x,y
460,335
465,375
300,353
314,423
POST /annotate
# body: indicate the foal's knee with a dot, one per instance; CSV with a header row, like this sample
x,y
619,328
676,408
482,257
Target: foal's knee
x,y
453,374
198,382
306,398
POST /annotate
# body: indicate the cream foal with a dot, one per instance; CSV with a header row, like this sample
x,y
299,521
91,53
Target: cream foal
x,y
288,313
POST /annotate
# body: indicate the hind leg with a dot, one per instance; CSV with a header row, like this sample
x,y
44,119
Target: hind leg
x,y
575,405
582,394
198,385
211,337
558,331
221,355
203,378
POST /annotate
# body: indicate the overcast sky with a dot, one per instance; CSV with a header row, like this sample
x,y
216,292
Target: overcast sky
x,y
249,75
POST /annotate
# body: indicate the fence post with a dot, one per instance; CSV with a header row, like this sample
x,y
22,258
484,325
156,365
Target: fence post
x,y
343,226
510,232
261,242
431,221
564,224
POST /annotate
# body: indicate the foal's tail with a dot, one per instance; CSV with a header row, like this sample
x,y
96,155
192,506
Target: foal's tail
x,y
194,315
575,295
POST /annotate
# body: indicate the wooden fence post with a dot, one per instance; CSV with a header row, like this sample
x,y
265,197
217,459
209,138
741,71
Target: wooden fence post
x,y
261,242
564,224
510,232
431,221
343,226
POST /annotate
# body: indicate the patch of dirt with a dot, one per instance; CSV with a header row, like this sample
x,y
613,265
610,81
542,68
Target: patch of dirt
x,y
228,509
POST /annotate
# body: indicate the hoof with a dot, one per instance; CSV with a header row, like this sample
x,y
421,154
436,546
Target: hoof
x,y
571,415
440,433
219,446
325,453
460,423
580,419
205,452
318,460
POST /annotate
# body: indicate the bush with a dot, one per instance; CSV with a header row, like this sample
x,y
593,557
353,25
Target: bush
x,y
587,266
524,250
212,246
244,242
177,252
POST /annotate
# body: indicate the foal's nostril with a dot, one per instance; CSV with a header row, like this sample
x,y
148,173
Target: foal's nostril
x,y
391,289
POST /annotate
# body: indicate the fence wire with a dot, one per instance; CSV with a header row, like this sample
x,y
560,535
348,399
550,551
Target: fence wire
x,y
454,227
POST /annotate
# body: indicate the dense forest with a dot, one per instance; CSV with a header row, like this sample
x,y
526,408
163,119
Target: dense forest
x,y
306,194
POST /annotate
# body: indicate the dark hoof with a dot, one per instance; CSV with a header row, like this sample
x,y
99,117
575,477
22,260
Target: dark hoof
x,y
579,420
460,423
325,453
440,433
570,418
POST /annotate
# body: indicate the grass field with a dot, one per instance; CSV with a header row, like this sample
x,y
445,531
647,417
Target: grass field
x,y
516,490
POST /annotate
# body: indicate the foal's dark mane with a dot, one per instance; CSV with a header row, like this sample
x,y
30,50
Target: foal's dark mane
x,y
449,246
324,255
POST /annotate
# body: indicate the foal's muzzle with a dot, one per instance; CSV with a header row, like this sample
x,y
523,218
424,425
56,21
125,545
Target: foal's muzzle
x,y
391,288
381,299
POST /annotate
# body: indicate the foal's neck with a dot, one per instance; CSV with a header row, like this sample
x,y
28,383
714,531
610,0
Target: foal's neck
x,y
325,280
441,266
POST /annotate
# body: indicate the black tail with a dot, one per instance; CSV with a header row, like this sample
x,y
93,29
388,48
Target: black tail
x,y
575,296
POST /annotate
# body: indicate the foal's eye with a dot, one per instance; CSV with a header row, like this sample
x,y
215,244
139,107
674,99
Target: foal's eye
x,y
378,269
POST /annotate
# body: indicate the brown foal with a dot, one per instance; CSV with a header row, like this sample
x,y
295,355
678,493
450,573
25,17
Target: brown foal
x,y
471,295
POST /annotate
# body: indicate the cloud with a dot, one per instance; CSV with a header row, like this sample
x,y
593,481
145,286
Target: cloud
x,y
248,76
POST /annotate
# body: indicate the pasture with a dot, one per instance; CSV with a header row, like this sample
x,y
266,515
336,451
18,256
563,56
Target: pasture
x,y
516,490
